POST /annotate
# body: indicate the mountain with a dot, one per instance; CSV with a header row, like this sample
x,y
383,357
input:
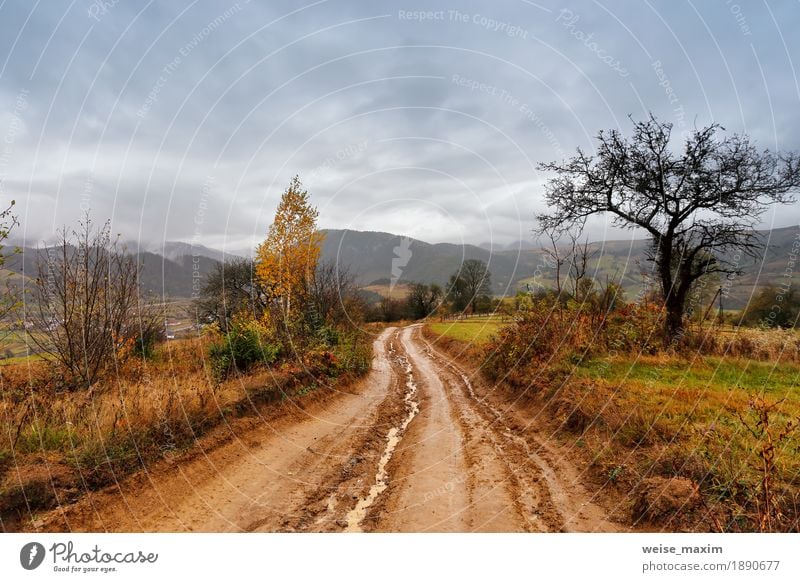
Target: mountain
x,y
174,250
180,277
513,246
372,256
382,257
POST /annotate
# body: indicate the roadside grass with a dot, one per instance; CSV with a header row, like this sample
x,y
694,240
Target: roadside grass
x,y
695,414
477,331
673,416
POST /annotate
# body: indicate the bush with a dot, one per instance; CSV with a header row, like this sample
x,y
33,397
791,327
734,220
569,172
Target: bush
x,y
354,353
634,328
524,350
246,344
328,336
89,310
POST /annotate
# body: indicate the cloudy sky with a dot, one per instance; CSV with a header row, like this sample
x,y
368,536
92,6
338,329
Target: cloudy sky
x,y
185,120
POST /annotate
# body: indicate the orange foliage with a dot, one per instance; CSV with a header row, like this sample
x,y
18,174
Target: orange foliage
x,y
288,257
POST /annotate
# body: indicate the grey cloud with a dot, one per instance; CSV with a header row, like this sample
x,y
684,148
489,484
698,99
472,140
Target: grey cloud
x,y
156,102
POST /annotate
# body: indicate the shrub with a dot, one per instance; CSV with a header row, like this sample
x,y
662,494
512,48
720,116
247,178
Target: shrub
x,y
246,343
354,353
89,310
524,349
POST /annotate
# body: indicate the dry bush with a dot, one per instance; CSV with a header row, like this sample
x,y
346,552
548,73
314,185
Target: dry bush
x,y
771,345
539,337
89,313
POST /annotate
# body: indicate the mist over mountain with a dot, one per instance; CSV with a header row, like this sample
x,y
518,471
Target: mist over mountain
x,y
176,277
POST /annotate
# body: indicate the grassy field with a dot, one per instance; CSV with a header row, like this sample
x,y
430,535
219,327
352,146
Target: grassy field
x,y
715,374
478,330
398,292
699,418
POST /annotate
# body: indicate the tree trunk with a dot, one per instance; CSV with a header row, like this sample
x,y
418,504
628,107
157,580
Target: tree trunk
x,y
673,323
673,292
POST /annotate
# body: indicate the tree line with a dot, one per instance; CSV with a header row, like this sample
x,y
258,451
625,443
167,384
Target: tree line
x,y
468,291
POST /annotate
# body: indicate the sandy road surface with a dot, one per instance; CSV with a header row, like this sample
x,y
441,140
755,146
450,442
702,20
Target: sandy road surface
x,y
412,447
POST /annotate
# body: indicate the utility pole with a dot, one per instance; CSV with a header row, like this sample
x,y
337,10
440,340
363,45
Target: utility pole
x,y
711,305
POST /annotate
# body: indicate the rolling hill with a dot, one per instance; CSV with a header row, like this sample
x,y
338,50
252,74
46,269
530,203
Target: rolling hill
x,y
373,255
382,258
170,278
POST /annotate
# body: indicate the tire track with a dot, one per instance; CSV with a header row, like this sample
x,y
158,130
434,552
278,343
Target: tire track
x,y
359,512
448,476
412,448
570,506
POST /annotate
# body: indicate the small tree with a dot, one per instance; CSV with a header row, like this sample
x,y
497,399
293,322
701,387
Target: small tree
x,y
696,206
389,310
89,314
555,258
423,299
287,260
470,283
231,288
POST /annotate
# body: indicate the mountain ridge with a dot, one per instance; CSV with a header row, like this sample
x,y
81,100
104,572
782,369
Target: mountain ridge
x,y
376,256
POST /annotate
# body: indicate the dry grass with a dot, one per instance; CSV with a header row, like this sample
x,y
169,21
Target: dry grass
x,y
149,411
672,417
771,345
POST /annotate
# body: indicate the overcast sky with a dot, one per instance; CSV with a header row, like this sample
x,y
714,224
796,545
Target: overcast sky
x,y
185,120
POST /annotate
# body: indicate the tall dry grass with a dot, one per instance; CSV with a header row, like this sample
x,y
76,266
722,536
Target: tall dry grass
x,y
54,445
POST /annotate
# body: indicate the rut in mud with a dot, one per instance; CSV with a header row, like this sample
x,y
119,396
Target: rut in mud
x,y
356,516
413,447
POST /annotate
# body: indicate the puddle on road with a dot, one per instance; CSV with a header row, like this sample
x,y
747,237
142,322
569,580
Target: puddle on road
x,y
357,515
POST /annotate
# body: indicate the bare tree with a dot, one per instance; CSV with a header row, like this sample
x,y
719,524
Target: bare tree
x,y
89,313
579,257
230,288
696,206
554,256
332,292
471,282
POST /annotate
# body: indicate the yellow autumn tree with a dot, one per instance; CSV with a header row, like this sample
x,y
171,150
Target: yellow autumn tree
x,y
287,259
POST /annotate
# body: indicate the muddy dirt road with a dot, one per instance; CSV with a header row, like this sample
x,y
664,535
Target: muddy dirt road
x,y
412,447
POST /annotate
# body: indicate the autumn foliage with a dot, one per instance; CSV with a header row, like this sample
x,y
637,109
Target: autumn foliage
x,y
288,258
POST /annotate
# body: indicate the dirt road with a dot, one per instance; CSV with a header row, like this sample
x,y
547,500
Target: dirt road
x,y
413,447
